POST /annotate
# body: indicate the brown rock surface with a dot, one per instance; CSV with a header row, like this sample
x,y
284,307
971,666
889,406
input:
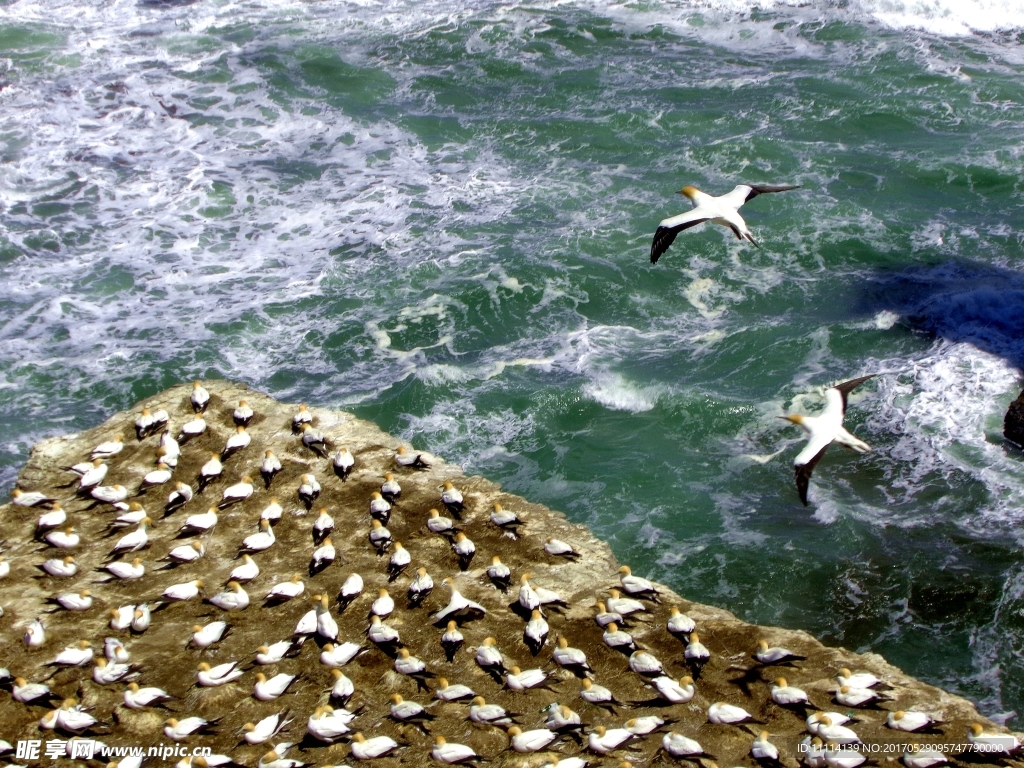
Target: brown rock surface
x,y
165,660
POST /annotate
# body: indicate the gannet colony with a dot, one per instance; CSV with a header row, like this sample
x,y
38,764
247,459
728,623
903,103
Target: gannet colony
x,y
288,585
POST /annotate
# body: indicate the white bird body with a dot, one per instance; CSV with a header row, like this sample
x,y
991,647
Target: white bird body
x,y
65,539
133,541
351,588
20,498
343,688
159,476
326,625
140,698
169,449
721,713
559,548
446,692
383,605
604,740
199,398
114,650
436,523
181,495
60,568
35,634
823,430
839,734
457,604
812,751
54,518
286,590
192,428
93,476
908,721
992,743
268,689
920,756
219,675
235,493
645,663
343,461
381,633
838,756
263,540
121,618
272,512
678,745
407,664
536,631
246,571
530,741
522,680
204,637
273,653
370,749
179,730
74,601
328,725
642,726
488,656
109,494
105,673
265,729
592,693
675,692
126,571
786,695
187,553
73,718
857,680
565,656
186,590
763,749
74,655
451,753
236,442
679,623
488,714
26,692
623,605
234,598
421,584
108,448
722,210
339,655
856,697
141,618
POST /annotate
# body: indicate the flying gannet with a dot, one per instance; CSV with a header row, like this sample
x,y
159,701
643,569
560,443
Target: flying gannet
x,y
822,430
722,210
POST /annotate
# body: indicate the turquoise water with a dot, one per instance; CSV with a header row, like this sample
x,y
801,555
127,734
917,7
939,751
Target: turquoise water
x,y
440,220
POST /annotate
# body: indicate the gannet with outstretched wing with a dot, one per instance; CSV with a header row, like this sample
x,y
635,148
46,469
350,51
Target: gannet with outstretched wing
x,y
723,210
823,430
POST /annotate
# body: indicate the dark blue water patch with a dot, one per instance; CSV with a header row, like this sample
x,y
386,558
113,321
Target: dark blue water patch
x,y
958,300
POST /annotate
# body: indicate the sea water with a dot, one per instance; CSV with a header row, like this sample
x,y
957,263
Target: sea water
x,y
438,216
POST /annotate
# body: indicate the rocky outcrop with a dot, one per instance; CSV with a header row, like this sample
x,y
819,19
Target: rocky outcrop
x,y
1013,422
164,658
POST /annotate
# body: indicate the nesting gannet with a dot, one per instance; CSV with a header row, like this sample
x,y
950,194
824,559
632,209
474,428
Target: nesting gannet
x,y
383,605
763,750
380,508
235,493
535,635
696,653
390,489
309,490
342,461
168,451
635,586
822,430
342,689
181,495
860,679
286,590
257,542
721,713
74,655
147,423
399,561
446,692
421,586
237,442
604,617
436,523
836,718
902,720
604,740
61,568
339,655
35,634
458,605
140,698
452,754
20,498
623,605
772,655
530,741
452,640
201,523
191,429
141,618
488,714
452,499
269,467
159,476
199,398
322,557
219,675
114,650
786,695
403,711
679,624
569,658
185,553
575,762
71,717
275,758
561,719
592,693
322,526
234,598
276,652
306,625
108,448
210,472
370,749
242,414
675,692
301,416
499,574
315,440
559,548
618,640
407,664
179,730
327,724
488,657
646,724
272,512
677,745
406,458
644,663
840,734
812,750
132,517
187,590
93,476
65,538
71,601
382,634
380,537
109,494
266,729
134,541
26,693
105,672
5,567
504,518
859,697
268,689
126,571
521,680
350,589
121,618
722,210
991,742
246,571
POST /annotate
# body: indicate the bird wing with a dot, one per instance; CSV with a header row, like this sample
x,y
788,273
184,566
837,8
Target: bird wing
x,y
669,228
846,387
803,469
744,193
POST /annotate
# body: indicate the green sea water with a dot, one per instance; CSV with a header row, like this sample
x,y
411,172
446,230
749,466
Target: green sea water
x,y
439,218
